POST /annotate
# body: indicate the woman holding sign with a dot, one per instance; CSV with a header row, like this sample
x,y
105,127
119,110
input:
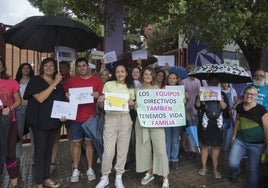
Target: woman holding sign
x,y
41,92
118,124
173,133
210,127
151,153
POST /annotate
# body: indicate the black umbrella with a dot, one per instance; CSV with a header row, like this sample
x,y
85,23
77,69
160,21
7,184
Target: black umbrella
x,y
44,33
225,73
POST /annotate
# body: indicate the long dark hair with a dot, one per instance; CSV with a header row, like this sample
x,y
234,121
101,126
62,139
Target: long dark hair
x,y
19,71
164,79
3,73
45,61
129,80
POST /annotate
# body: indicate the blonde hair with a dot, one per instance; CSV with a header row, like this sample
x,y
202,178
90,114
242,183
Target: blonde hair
x,y
103,70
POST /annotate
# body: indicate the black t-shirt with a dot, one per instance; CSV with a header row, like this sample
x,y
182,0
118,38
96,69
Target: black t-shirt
x,y
38,114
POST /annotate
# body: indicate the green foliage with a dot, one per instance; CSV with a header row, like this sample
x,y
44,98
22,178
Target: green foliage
x,y
214,22
162,40
220,22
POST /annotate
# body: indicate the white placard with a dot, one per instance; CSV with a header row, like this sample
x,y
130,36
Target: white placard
x,y
175,87
64,109
65,53
161,107
163,59
231,62
116,102
92,66
81,95
210,93
96,54
139,54
109,57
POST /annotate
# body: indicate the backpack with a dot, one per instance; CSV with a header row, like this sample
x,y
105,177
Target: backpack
x,y
212,109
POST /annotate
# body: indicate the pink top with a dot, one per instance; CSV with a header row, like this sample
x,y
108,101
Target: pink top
x,y
7,89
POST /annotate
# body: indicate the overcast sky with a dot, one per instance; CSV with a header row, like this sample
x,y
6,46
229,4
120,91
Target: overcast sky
x,y
14,11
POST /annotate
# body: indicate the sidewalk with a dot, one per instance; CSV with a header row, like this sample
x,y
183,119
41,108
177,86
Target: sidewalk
x,y
185,177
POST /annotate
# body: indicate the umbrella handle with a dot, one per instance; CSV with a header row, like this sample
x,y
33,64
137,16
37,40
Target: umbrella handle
x,y
58,61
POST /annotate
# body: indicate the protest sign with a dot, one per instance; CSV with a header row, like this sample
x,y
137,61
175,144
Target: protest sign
x,y
161,107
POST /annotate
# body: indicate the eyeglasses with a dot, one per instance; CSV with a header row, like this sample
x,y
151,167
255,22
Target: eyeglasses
x,y
259,75
250,94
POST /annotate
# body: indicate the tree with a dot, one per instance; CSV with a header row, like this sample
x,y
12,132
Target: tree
x,y
221,22
137,13
51,7
216,23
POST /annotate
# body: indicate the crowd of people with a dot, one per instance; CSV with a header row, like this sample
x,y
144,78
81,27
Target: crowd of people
x,y
237,127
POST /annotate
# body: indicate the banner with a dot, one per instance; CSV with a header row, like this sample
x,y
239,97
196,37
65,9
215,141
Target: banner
x,y
65,53
161,107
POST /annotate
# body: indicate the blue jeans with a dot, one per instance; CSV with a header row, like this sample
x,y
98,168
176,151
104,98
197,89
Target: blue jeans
x,y
77,131
228,129
253,151
20,116
172,143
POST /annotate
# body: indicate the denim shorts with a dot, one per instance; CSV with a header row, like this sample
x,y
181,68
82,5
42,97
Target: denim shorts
x,y
77,132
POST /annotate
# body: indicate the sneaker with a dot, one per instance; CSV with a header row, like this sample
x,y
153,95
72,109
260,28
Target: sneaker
x,y
118,182
165,183
75,175
202,171
217,175
103,182
90,174
148,177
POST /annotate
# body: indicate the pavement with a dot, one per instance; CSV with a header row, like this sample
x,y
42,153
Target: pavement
x,y
185,177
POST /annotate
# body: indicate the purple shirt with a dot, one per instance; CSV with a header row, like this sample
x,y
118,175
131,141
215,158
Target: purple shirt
x,y
192,87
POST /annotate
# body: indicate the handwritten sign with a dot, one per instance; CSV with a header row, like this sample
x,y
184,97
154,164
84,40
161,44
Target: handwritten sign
x,y
64,109
139,54
210,93
96,54
161,107
109,57
116,102
81,95
163,59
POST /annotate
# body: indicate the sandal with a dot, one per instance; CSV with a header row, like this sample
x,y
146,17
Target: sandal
x,y
217,175
202,171
52,185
